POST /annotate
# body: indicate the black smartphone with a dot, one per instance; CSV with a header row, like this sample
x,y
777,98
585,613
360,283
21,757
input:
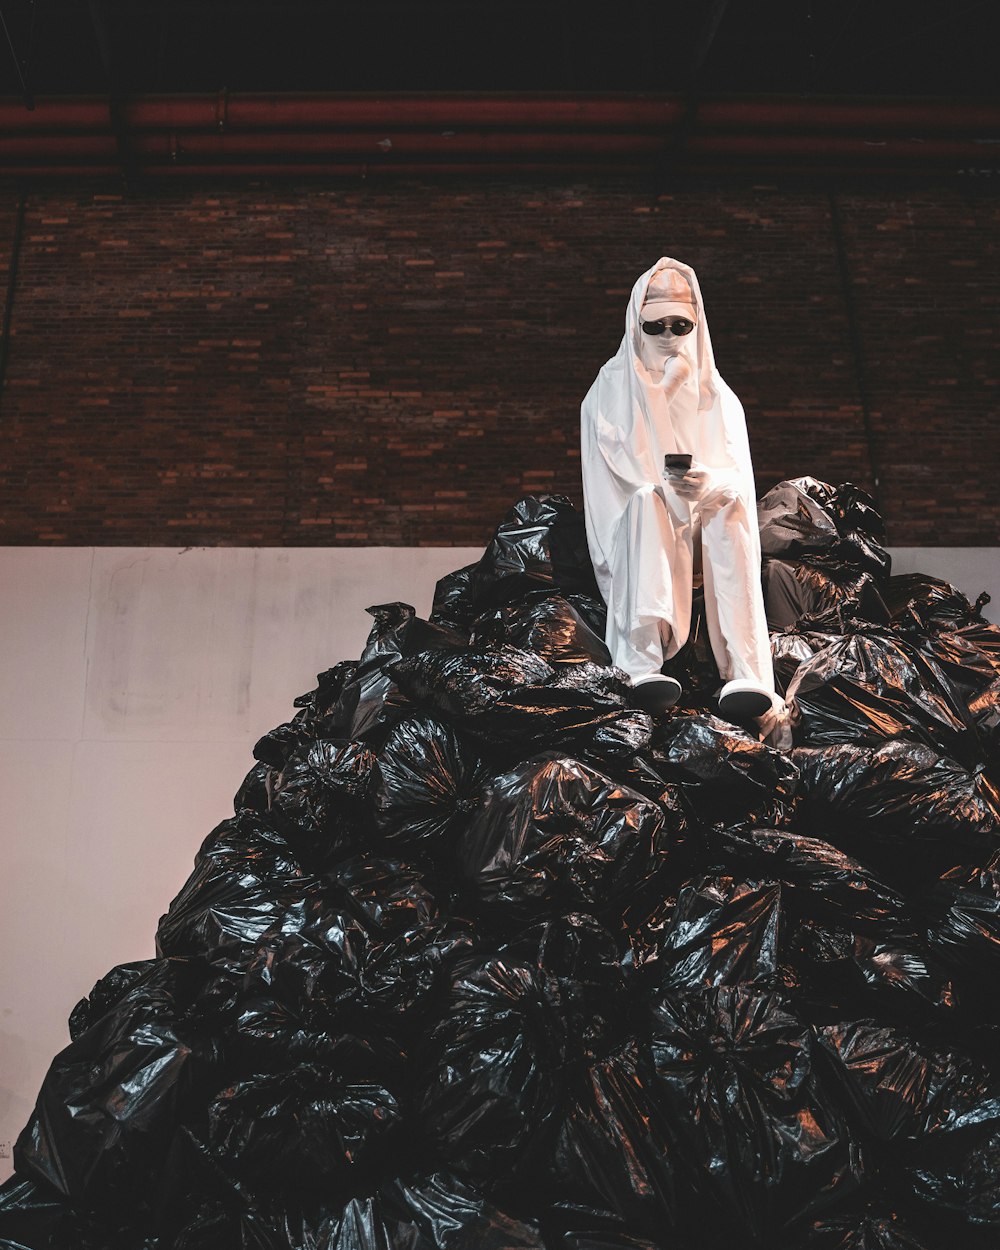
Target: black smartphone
x,y
677,462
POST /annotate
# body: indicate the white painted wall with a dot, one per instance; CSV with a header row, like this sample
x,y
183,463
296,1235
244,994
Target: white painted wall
x,y
133,684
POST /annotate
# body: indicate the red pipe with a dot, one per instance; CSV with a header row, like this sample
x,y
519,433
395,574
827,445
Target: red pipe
x,y
318,133
192,147
225,111
383,147
260,112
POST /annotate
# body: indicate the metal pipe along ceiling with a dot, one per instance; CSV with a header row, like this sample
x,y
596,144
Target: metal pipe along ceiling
x,y
329,133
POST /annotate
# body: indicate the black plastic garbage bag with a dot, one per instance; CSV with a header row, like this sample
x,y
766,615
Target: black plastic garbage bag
x,y
804,516
985,638
969,658
245,877
811,589
582,709
900,1087
355,699
613,1146
318,797
855,511
429,779
108,990
619,740
271,1034
515,1021
32,1217
252,795
374,938
29,1215
871,685
965,1180
723,771
370,699
823,881
110,1103
302,1127
961,657
720,931
553,834
928,604
580,957
441,1212
453,607
792,644
604,685
512,696
863,1232
900,804
546,624
540,544
320,716
837,971
463,685
758,1141
963,919
792,647
796,517
428,1211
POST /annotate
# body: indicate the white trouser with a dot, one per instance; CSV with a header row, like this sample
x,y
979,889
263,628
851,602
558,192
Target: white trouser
x,y
652,574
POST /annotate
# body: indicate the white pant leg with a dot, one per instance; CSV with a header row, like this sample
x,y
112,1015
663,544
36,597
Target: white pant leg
x,y
649,609
734,600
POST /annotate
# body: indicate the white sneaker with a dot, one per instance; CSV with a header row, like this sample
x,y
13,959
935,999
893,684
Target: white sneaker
x,y
656,695
744,699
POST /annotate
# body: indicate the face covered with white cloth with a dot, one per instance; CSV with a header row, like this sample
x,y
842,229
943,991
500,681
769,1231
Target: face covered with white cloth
x,y
661,393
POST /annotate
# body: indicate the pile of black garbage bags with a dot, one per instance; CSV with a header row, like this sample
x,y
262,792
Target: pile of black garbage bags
x,y
487,959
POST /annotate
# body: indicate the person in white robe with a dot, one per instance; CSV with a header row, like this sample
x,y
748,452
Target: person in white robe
x,y
652,531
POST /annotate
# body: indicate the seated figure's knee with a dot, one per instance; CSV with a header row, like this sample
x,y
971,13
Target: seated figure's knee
x,y
643,495
725,498
644,500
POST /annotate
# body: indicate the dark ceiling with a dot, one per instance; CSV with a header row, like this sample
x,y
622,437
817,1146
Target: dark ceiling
x,y
852,47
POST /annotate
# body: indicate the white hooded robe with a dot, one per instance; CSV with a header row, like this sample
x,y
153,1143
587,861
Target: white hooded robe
x,y
642,536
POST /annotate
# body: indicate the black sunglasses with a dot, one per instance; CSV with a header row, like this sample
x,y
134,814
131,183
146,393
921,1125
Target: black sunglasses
x,y
676,325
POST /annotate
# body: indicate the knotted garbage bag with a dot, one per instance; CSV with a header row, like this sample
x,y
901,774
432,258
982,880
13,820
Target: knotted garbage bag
x,y
245,877
112,1101
804,516
553,833
549,625
870,685
812,590
429,780
516,1021
900,804
721,770
759,1140
930,604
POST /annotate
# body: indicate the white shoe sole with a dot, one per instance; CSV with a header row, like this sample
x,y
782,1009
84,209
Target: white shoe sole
x,y
744,700
656,695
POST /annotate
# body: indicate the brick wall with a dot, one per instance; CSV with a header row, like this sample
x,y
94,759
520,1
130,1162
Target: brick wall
x,y
394,363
